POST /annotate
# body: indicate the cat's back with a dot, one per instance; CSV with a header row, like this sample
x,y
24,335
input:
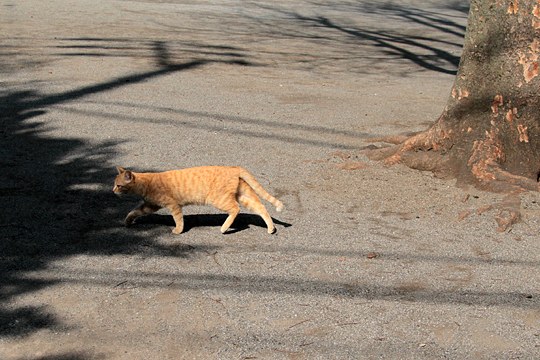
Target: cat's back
x,y
197,183
203,173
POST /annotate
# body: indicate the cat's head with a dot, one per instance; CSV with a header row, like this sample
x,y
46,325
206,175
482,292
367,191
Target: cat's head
x,y
123,181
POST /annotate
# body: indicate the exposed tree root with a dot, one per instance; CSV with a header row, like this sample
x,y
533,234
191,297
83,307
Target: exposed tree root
x,y
421,151
393,139
509,212
432,151
418,142
433,139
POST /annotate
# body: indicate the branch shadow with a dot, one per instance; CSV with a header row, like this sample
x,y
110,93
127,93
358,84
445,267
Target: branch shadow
x,y
347,36
426,47
311,135
396,45
74,355
356,289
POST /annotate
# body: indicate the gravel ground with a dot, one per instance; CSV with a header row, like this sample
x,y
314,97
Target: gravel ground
x,y
369,262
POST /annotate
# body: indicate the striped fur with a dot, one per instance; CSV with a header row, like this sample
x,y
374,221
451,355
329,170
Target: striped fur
x,y
224,187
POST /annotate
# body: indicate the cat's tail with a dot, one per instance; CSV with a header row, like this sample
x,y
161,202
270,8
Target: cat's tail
x,y
250,179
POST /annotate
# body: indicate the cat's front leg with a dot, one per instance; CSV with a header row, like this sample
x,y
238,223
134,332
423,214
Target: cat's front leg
x,y
176,212
142,209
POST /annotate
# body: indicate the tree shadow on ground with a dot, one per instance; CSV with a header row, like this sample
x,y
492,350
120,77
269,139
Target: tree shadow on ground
x,y
50,201
430,39
341,288
56,191
57,199
68,356
344,36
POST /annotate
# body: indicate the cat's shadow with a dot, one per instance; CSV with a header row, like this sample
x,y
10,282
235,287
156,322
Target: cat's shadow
x,y
242,221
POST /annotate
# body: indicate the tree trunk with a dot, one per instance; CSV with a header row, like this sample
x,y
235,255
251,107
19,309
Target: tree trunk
x,y
489,131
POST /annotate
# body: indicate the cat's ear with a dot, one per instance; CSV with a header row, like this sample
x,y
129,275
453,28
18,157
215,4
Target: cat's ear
x,y
120,169
128,176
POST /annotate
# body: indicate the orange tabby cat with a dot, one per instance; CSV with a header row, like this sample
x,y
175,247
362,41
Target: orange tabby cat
x,y
221,186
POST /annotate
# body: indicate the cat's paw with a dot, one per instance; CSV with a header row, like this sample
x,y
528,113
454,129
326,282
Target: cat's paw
x,y
272,230
177,231
129,221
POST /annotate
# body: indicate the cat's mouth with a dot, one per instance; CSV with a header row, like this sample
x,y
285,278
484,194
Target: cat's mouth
x,y
123,194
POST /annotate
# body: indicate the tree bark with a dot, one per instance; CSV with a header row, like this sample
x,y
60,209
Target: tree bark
x,y
489,131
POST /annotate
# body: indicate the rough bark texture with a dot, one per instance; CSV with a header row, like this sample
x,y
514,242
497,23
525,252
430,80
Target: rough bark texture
x,y
489,130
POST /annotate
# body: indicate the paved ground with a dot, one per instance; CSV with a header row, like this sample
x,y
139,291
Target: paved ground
x,y
368,262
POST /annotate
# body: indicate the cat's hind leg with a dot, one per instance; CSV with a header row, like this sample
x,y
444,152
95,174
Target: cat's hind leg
x,y
231,207
249,199
142,209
